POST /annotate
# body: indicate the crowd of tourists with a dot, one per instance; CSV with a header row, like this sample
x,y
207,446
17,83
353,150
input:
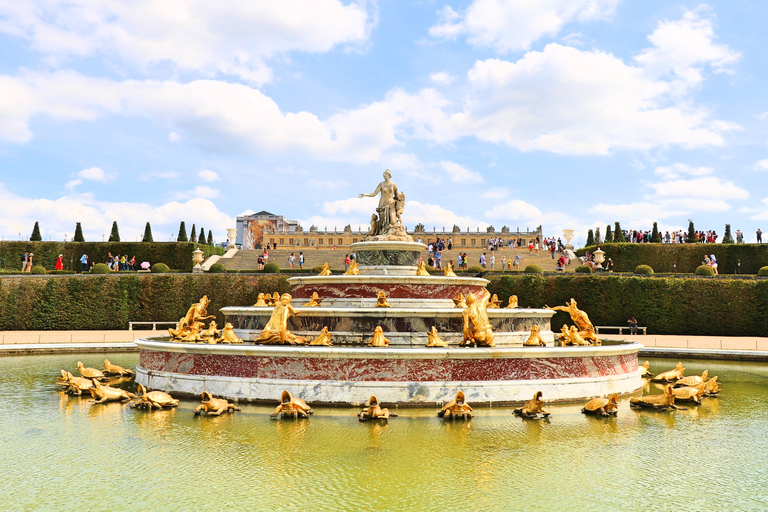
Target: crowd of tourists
x,y
680,236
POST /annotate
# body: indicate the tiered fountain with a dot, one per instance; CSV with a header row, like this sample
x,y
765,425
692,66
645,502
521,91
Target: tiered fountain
x,y
500,370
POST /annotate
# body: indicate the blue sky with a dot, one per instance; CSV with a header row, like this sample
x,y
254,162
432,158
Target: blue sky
x,y
564,113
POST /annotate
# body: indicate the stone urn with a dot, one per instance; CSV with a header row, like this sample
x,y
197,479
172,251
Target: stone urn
x,y
599,257
568,234
197,259
232,235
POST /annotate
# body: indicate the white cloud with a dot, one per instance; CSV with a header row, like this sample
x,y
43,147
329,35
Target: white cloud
x,y
234,38
162,175
442,78
678,169
495,193
515,210
710,187
174,137
199,191
208,176
432,215
460,174
761,165
321,185
90,174
510,25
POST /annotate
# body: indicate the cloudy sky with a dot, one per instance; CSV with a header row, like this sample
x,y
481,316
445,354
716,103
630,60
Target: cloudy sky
x,y
564,113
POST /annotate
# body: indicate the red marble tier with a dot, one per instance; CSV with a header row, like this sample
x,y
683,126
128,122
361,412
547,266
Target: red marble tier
x,y
388,370
393,290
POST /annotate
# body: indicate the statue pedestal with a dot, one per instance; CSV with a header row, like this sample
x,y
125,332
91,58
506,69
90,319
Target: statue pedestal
x,y
388,257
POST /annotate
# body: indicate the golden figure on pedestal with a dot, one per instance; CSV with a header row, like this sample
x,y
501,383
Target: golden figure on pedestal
x,y
153,399
434,339
535,339
381,300
448,270
532,408
585,328
260,302
387,223
215,406
658,402
456,408
324,339
421,269
276,331
113,369
512,302
602,406
459,301
314,301
192,323
671,375
477,328
378,340
326,271
290,406
494,302
374,411
228,335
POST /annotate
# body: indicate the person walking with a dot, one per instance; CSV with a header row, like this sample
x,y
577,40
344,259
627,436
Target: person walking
x,y
84,262
24,260
482,260
59,263
28,268
759,236
301,260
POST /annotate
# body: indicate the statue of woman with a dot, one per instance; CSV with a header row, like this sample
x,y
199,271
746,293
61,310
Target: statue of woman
x,y
387,208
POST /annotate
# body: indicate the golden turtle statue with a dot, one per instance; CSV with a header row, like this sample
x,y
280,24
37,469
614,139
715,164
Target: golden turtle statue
x,y
645,372
456,408
89,373
688,394
381,300
602,406
459,301
434,339
113,369
290,406
693,380
711,387
103,394
314,301
512,302
532,408
535,339
260,303
374,411
153,399
657,402
74,385
323,340
215,406
671,375
378,339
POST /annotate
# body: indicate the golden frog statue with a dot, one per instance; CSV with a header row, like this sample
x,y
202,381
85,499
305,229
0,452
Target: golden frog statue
x,y
477,328
532,408
378,340
193,319
260,302
104,394
274,299
494,302
448,270
512,302
602,406
456,408
374,411
353,269
324,339
228,335
657,402
113,369
215,406
421,269
581,319
211,333
535,339
645,372
671,375
153,399
314,301
193,333
290,406
381,300
89,373
74,385
434,339
326,271
688,394
693,380
276,331
459,301
574,337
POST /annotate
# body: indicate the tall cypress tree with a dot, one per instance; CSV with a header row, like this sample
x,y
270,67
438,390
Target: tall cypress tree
x,y
147,234
36,237
78,234
114,236
193,235
182,233
598,240
655,235
691,238
590,238
210,237
608,234
727,237
201,238
618,234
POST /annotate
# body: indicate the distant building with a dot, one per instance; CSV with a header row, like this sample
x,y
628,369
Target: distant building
x,y
257,229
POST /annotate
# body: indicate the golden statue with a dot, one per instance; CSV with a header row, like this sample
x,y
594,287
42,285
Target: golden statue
x,y
434,339
477,328
268,300
290,406
644,371
314,301
90,373
275,299
494,302
712,387
448,270
374,411
113,369
535,339
693,380
421,269
689,394
381,300
353,269
276,331
323,340
671,375
378,340
211,333
74,385
512,302
459,301
193,333
215,406
260,303
389,224
326,271
153,399
658,402
581,319
602,406
574,337
532,408
103,394
456,408
228,335
195,315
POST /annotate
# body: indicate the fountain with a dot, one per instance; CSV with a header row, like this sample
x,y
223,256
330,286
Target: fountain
x,y
489,353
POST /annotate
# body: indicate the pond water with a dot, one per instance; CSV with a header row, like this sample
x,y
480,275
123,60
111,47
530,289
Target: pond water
x,y
61,452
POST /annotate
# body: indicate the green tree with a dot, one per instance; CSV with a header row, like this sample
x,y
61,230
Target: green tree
x,y
210,238
618,234
193,235
608,234
78,234
590,238
114,236
201,238
691,238
182,233
36,237
655,235
147,234
727,237
598,240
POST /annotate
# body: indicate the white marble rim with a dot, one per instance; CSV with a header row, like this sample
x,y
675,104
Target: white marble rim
x,y
392,312
301,351
389,279
385,245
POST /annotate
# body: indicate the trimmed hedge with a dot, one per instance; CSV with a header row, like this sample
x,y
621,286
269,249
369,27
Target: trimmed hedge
x,y
643,269
106,302
704,270
687,256
695,306
533,269
177,255
37,269
217,268
100,268
762,272
583,269
160,268
274,268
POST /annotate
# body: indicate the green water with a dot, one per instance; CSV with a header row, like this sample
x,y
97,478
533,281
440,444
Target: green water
x,y
61,453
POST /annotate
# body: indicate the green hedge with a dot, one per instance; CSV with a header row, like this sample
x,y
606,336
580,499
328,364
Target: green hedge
x,y
662,257
177,255
111,301
727,307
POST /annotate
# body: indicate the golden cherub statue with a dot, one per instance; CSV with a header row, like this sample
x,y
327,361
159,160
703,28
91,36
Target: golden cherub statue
x,y
434,339
381,300
459,300
421,269
494,302
276,331
323,340
477,328
228,335
448,270
581,319
314,301
326,271
535,339
378,340
512,302
260,303
189,327
353,269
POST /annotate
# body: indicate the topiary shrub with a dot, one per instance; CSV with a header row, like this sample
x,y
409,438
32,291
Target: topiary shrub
x,y
763,271
274,268
317,269
218,267
533,269
643,269
37,269
583,269
475,269
160,268
100,268
704,270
